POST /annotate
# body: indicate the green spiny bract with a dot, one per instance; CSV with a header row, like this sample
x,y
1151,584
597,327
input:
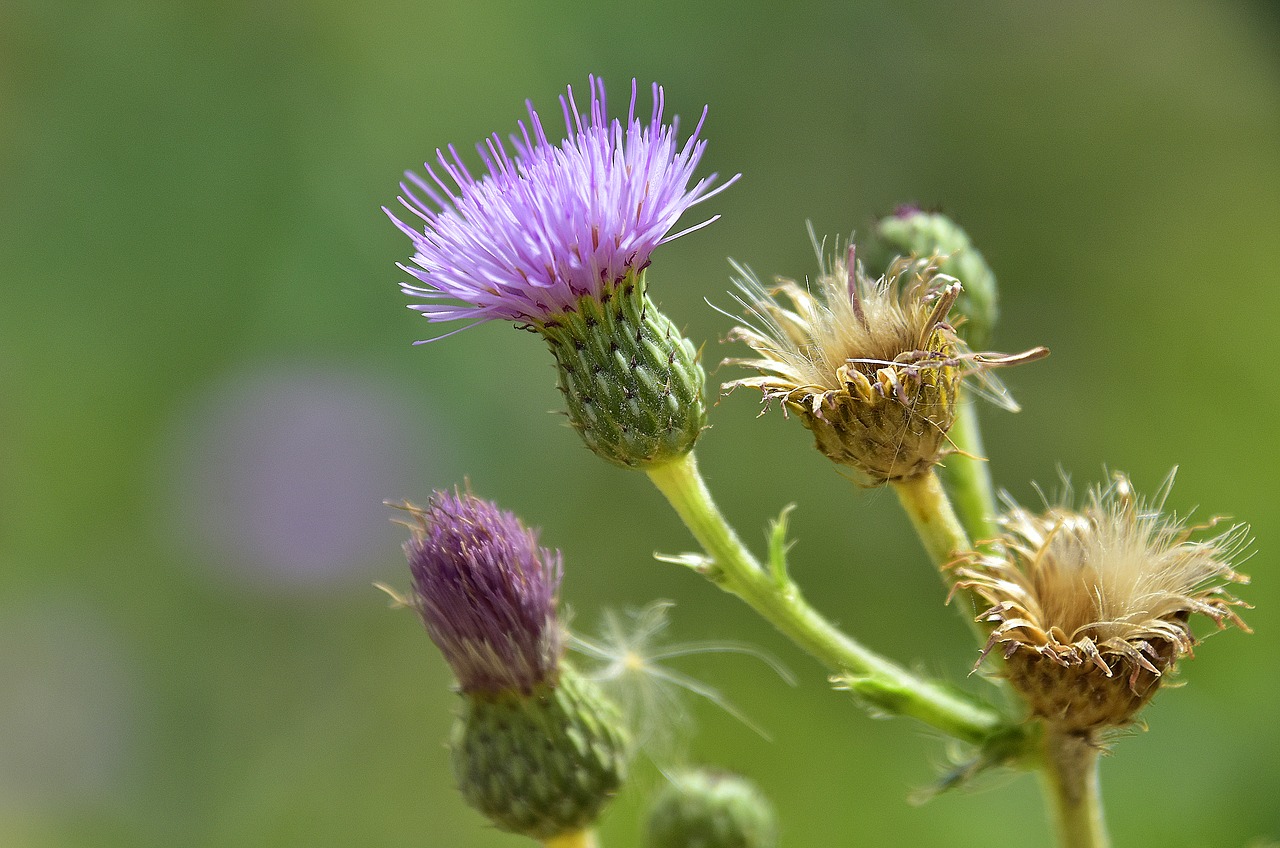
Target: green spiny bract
x,y
631,380
541,764
708,809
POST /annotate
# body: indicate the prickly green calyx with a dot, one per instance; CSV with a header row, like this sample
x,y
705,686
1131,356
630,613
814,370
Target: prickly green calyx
x,y
708,809
911,231
541,765
630,378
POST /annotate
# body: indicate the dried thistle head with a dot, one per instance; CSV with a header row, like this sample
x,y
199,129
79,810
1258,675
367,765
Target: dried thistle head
x,y
1091,607
871,367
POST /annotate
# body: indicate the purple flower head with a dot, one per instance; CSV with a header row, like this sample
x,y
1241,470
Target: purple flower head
x,y
553,221
487,593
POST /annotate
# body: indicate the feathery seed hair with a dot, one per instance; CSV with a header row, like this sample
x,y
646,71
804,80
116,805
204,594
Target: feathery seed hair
x,y
1091,607
872,367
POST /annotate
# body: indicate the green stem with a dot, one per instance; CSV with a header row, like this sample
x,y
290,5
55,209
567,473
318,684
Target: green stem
x,y
968,476
1069,776
945,539
577,839
775,597
936,522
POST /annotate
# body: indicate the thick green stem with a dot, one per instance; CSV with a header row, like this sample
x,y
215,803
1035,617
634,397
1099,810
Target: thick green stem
x,y
968,476
945,539
1069,776
577,839
775,597
936,522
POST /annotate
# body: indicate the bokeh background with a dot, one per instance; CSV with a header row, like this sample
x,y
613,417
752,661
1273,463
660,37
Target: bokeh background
x,y
207,388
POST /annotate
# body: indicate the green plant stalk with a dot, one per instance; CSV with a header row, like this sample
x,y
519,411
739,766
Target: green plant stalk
x,y
1069,777
577,839
939,528
944,537
772,594
967,476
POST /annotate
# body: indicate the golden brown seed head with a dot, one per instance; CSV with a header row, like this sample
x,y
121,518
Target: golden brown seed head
x,y
871,367
1091,607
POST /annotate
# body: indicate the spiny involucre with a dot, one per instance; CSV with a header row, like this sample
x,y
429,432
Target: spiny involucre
x,y
870,365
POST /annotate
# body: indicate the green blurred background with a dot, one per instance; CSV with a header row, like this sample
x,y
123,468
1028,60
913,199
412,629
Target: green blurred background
x,y
207,389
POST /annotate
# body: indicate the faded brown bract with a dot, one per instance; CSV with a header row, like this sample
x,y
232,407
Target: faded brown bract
x,y
871,367
1091,607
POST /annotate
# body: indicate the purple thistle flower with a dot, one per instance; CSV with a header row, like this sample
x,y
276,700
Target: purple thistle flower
x,y
487,593
555,221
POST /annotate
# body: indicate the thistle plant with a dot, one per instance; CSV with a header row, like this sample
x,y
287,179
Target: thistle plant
x,y
538,749
1079,613
871,367
556,238
1091,607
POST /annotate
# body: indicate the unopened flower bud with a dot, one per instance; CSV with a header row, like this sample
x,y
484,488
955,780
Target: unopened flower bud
x,y
710,809
871,367
538,748
913,232
542,764
487,593
1091,606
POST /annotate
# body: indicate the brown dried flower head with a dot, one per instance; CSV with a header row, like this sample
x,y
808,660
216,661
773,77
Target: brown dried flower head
x,y
1091,607
871,367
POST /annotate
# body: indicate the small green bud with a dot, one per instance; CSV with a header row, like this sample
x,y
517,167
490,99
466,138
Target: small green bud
x,y
631,380
708,809
541,764
911,231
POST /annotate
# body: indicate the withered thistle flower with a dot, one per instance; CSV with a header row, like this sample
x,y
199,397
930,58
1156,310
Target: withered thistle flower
x,y
537,748
556,237
1091,606
871,367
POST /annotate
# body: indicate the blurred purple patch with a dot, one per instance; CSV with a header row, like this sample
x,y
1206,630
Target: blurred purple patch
x,y
279,475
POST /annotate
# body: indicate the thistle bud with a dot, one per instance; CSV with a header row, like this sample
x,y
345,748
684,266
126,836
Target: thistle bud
x,y
709,809
544,764
1091,607
537,748
871,367
910,231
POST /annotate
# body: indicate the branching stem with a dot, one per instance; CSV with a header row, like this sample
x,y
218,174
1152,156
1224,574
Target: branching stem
x,y
731,566
943,536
